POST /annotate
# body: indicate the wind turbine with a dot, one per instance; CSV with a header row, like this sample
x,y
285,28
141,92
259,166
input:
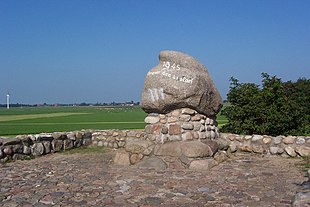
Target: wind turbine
x,y
8,101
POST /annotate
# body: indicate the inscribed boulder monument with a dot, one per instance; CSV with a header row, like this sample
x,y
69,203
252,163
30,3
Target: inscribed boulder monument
x,y
180,81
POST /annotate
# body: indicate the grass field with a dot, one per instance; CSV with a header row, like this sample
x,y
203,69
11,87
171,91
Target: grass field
x,y
50,119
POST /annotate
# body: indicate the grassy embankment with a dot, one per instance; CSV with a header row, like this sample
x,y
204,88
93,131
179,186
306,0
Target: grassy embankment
x,y
50,119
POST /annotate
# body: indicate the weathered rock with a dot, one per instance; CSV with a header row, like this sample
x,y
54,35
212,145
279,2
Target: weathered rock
x,y
203,165
153,163
300,140
121,158
151,119
233,147
276,150
57,145
26,150
257,137
10,141
174,129
37,149
303,151
290,151
7,150
220,156
195,149
212,144
222,144
179,81
134,158
59,135
47,146
137,147
68,144
187,126
172,149
301,199
289,140
188,111
1,154
187,136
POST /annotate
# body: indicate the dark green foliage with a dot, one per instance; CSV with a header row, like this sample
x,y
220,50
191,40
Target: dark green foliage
x,y
276,108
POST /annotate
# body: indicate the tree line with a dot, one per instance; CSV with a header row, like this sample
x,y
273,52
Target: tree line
x,y
274,108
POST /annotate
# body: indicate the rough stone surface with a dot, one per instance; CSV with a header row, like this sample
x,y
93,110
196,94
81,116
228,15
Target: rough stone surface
x,y
137,146
89,180
122,158
290,151
37,149
151,120
172,149
153,163
303,151
179,81
195,149
202,165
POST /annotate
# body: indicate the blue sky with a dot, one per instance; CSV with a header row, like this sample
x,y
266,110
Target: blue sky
x,y
74,51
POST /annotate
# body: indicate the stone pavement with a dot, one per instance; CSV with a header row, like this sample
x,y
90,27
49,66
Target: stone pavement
x,y
91,180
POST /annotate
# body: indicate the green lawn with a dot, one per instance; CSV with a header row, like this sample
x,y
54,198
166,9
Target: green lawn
x,y
50,119
30,120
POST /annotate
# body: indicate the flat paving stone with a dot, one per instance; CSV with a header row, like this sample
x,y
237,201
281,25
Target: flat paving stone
x,y
91,180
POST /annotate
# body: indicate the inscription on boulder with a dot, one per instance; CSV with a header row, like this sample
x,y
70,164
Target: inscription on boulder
x,y
179,81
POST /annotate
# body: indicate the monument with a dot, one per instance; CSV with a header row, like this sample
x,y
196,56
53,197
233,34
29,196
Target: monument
x,y
181,99
181,129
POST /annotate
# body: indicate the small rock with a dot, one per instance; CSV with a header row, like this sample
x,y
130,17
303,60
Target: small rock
x,y
197,117
289,140
134,158
174,129
300,140
151,119
275,150
266,140
185,117
7,150
187,126
188,111
37,149
277,140
233,147
153,163
122,158
257,137
203,165
187,136
195,149
172,149
175,113
172,119
301,199
303,151
290,151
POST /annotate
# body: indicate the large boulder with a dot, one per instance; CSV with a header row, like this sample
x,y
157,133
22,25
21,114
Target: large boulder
x,y
179,81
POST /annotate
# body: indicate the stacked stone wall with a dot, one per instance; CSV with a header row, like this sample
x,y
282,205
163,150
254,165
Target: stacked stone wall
x,y
24,146
30,146
287,146
180,125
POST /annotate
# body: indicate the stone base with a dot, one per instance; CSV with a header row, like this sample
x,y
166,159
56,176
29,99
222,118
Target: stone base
x,y
191,154
180,125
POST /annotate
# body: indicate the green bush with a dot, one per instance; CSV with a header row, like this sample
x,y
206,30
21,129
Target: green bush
x,y
275,108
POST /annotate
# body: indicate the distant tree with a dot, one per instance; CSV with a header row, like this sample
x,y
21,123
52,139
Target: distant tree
x,y
274,109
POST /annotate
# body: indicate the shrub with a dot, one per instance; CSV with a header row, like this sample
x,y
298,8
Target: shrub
x,y
275,108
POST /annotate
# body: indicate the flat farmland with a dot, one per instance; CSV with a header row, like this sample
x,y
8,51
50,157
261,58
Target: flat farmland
x,y
32,120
